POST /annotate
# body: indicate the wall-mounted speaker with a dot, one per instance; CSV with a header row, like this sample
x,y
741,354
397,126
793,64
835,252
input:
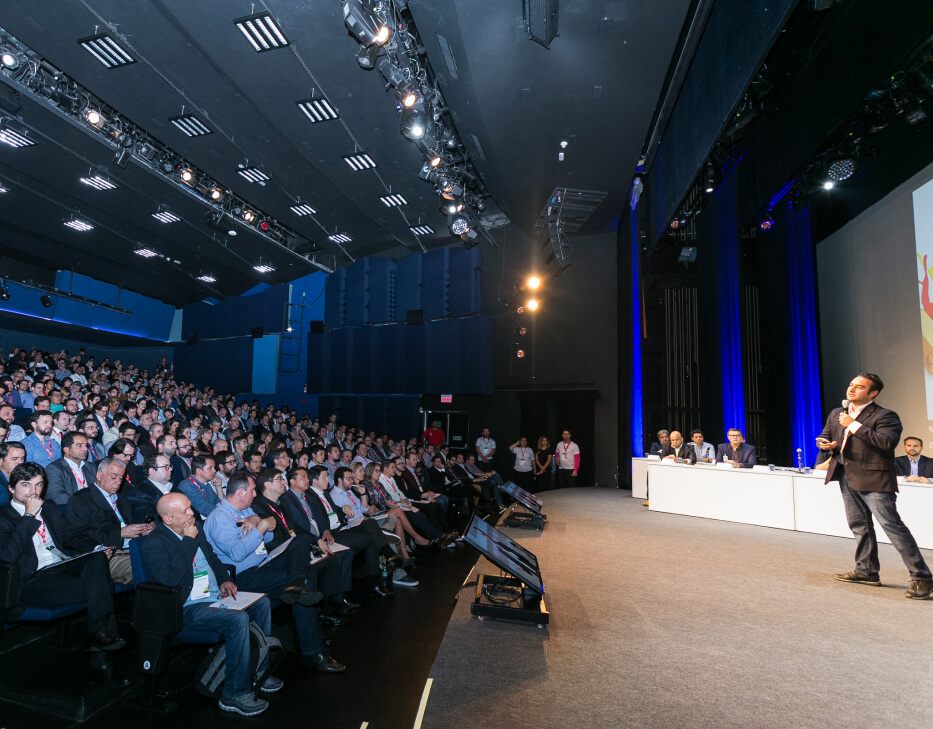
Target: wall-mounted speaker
x,y
316,326
414,317
192,339
256,332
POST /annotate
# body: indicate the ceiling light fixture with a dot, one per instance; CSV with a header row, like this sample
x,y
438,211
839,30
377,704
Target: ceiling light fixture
x,y
339,238
94,118
828,185
10,58
46,300
207,279
217,194
4,293
422,230
710,177
99,183
263,267
359,162
303,209
318,110
106,50
14,138
393,201
3,189
145,252
842,169
414,124
186,174
767,222
458,224
532,305
79,225
249,216
253,174
164,216
363,24
190,125
262,32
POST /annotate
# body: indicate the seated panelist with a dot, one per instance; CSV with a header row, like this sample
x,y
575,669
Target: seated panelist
x,y
737,452
675,449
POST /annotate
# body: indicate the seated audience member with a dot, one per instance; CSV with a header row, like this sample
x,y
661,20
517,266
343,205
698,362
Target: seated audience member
x,y
97,514
675,449
663,438
324,576
40,448
737,452
362,455
177,554
11,455
433,505
914,466
199,486
181,461
415,517
61,424
33,536
705,451
385,496
489,481
8,415
238,537
124,450
143,496
70,473
95,451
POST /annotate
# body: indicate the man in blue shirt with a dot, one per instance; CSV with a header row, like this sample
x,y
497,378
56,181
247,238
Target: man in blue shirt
x,y
40,448
198,487
238,537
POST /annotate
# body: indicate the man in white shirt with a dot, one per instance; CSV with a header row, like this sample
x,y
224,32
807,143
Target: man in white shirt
x,y
568,461
705,451
485,450
61,422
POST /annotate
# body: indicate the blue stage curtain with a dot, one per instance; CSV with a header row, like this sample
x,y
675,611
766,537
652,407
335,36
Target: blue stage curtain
x,y
803,357
637,421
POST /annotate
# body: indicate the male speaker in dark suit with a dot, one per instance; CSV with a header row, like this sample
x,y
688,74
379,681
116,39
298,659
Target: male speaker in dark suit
x,y
862,437
99,514
739,453
676,448
914,467
70,473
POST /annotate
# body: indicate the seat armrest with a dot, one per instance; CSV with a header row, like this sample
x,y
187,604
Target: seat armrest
x,y
158,609
9,586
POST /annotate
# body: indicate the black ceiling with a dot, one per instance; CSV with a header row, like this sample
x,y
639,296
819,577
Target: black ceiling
x,y
596,88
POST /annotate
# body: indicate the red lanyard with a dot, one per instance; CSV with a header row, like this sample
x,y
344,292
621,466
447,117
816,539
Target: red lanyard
x,y
195,482
280,515
80,480
42,532
48,446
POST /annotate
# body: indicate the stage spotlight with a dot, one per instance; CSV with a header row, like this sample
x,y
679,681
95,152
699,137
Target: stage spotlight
x,y
767,222
519,310
710,177
9,58
875,119
675,224
532,305
520,354
46,300
366,56
521,331
363,24
458,224
249,216
186,174
94,118
842,169
414,124
4,293
407,96
534,282
122,158
828,185
216,194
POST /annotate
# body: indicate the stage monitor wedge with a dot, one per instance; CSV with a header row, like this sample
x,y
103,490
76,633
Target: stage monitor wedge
x,y
504,552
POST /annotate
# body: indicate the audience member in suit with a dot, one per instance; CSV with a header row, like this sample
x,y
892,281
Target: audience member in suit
x,y
148,438
862,438
100,515
663,438
176,551
33,535
325,576
443,480
436,507
676,448
913,466
95,451
12,454
143,496
739,453
70,473
181,461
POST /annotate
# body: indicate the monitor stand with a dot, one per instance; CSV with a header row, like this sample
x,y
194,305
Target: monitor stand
x,y
507,598
527,519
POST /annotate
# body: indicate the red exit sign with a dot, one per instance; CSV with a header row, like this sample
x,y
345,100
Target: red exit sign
x,y
447,398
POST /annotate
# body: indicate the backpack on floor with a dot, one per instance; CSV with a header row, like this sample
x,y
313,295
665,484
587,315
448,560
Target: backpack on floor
x,y
210,676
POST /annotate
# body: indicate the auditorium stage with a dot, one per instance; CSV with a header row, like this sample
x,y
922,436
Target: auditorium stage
x,y
658,620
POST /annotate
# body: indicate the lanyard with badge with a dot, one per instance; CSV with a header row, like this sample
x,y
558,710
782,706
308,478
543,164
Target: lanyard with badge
x,y
201,587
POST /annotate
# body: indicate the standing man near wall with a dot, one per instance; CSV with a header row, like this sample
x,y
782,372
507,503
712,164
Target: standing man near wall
x,y
568,461
485,451
862,437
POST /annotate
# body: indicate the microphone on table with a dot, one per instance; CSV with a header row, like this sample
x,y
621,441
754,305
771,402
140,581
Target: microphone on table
x,y
800,459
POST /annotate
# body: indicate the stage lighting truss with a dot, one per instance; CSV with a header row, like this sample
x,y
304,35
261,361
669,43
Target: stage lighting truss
x,y
364,24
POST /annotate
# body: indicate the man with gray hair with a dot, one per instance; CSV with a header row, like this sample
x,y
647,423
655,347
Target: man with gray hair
x,y
664,438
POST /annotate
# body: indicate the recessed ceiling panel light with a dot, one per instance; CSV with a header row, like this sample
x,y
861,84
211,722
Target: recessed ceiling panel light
x,y
318,110
339,238
422,230
3,189
262,32
99,183
79,225
253,174
164,216
264,268
106,50
303,210
14,138
207,279
146,252
359,162
393,201
190,125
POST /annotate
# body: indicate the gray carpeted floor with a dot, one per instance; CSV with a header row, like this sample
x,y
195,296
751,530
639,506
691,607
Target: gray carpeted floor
x,y
660,620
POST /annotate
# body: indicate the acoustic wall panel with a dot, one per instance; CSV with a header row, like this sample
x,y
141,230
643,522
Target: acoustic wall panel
x,y
476,355
466,279
435,283
413,358
236,316
387,346
408,285
443,350
358,293
342,360
335,299
381,290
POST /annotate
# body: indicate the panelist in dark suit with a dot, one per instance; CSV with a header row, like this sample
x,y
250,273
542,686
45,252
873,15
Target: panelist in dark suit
x,y
141,498
70,473
676,448
663,438
99,514
176,551
862,437
739,453
913,466
33,535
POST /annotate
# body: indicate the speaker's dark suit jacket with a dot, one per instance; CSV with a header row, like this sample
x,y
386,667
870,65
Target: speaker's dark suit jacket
x,y
170,560
687,451
294,511
90,515
141,499
62,482
868,458
180,470
924,466
16,532
744,455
